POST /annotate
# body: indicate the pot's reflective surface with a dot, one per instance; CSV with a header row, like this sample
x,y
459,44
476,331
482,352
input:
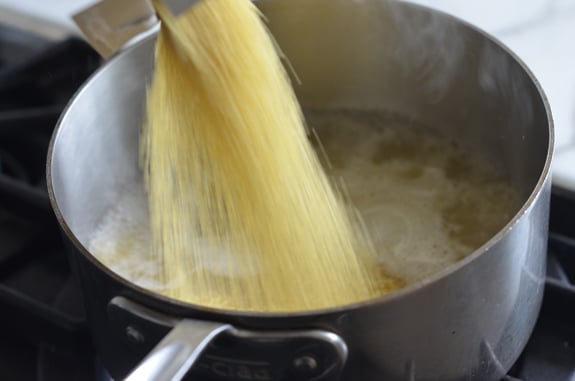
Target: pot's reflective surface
x,y
469,322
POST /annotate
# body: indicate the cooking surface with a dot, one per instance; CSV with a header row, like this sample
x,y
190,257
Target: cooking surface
x,y
43,335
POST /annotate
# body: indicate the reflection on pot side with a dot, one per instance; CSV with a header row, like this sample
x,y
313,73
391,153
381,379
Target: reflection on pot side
x,y
425,202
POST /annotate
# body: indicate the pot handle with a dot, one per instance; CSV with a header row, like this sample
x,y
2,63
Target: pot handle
x,y
175,355
301,354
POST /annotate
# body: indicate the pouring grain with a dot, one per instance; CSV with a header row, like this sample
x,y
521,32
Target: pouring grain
x,y
242,215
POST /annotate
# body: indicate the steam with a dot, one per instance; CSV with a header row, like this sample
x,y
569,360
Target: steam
x,y
429,46
442,59
501,78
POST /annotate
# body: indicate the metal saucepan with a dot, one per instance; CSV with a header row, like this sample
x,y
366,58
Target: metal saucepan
x,y
469,322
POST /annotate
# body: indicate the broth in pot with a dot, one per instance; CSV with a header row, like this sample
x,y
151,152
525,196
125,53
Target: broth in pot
x,y
425,202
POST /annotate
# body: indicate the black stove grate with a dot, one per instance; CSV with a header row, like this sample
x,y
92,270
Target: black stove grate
x,y
550,352
44,335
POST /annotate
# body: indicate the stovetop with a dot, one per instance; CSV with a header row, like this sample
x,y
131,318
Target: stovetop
x,y
43,333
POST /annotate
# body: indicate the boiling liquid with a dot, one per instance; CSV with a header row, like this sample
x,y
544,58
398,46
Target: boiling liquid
x,y
425,202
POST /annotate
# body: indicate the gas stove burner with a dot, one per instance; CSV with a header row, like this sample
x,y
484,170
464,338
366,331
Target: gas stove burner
x,y
24,138
11,167
49,78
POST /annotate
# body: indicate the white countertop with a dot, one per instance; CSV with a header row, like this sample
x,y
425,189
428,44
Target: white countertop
x,y
541,32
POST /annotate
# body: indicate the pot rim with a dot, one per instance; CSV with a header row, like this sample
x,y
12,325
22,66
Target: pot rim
x,y
385,299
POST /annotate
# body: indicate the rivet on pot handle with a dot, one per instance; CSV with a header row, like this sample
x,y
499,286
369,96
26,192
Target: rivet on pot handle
x,y
221,351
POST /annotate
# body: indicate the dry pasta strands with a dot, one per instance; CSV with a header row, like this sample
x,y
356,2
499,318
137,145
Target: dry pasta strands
x,y
242,215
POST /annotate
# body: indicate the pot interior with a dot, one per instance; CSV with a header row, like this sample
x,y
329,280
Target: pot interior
x,y
368,55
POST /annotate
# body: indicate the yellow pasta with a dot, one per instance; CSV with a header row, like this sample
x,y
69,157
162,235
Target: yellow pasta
x,y
242,215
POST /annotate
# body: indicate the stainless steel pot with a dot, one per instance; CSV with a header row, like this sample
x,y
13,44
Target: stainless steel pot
x,y
469,322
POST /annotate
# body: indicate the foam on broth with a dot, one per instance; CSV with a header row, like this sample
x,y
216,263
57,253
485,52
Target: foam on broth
x,y
425,202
